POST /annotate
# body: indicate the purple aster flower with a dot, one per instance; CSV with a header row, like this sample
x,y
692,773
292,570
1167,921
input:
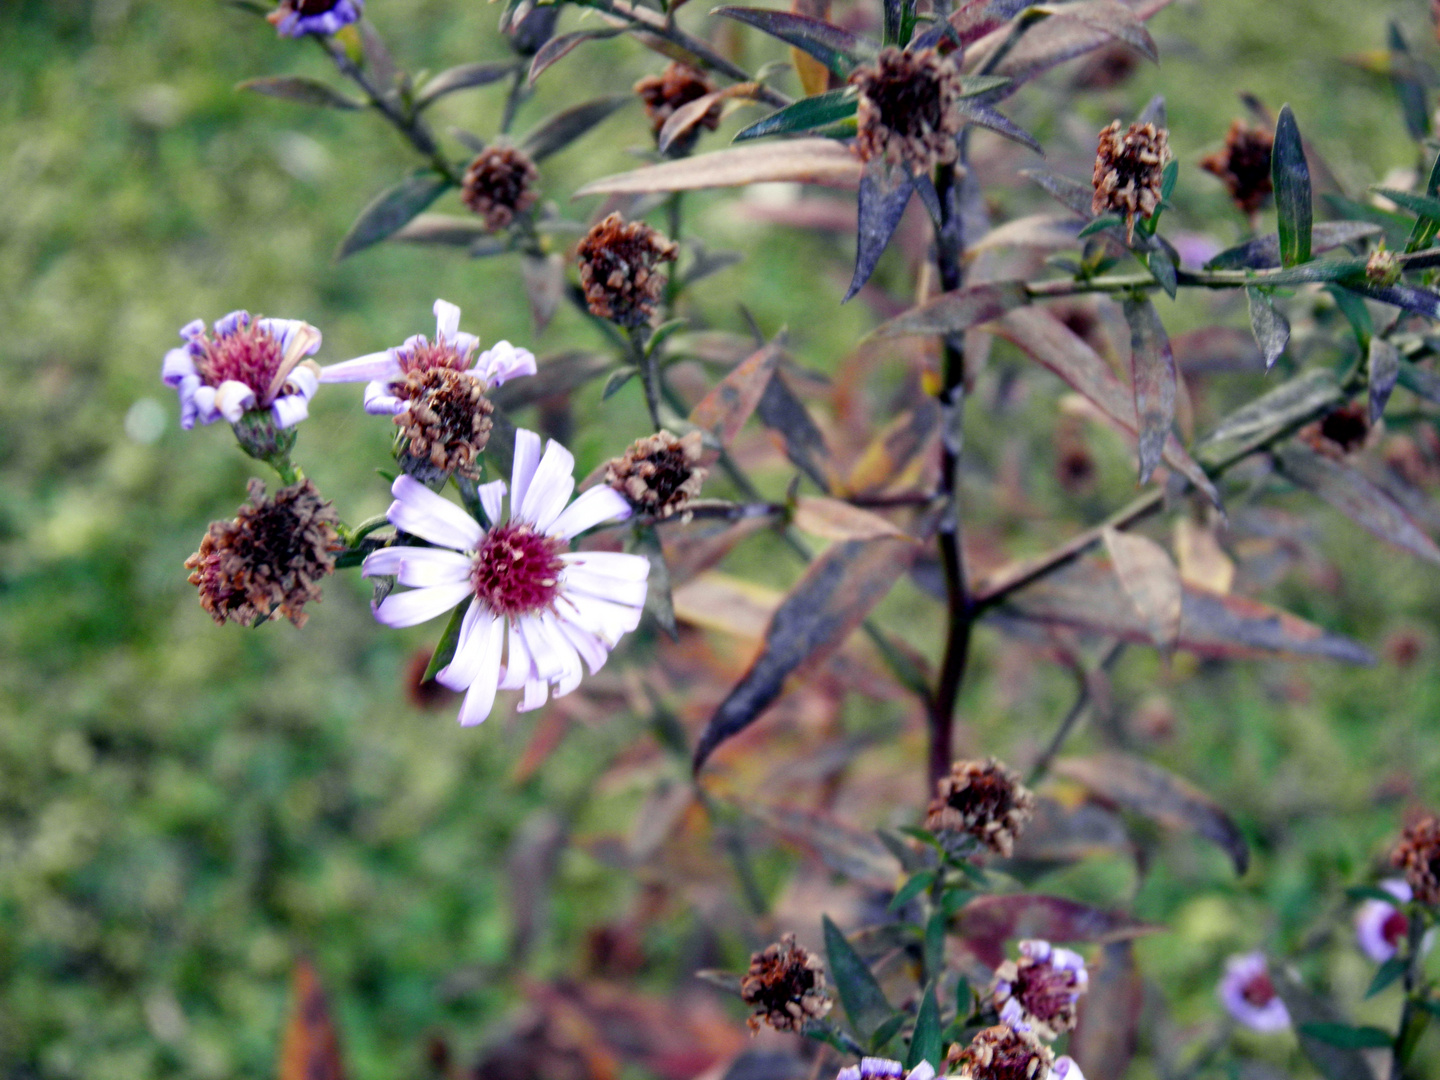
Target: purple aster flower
x,y
1380,927
247,364
450,349
874,1068
1066,1069
537,609
1249,995
296,18
1041,991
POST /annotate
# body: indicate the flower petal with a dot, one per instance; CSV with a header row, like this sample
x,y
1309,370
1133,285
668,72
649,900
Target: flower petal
x,y
447,319
380,402
502,362
420,512
527,456
481,697
232,398
597,505
617,590
415,606
590,647
289,410
188,407
204,400
491,495
422,567
380,365
518,668
177,365
305,379
536,694
384,562
570,672
549,489
614,564
460,672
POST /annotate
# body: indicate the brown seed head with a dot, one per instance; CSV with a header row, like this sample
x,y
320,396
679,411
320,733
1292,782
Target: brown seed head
x,y
786,987
617,269
984,800
445,423
908,112
1244,165
1001,1053
1340,431
499,184
1128,171
678,85
269,559
1418,855
659,474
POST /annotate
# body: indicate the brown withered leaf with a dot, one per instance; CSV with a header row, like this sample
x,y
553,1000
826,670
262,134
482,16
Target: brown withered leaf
x,y
854,853
1109,1025
1149,578
805,161
785,414
311,1050
1152,373
724,410
988,922
1045,231
683,120
1136,785
544,278
953,312
833,597
898,451
832,519
731,605
1202,560
1071,31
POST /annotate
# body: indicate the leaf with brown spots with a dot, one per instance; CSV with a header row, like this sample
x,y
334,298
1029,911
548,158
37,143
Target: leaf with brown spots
x,y
831,519
988,922
898,452
1152,370
312,1046
952,312
724,410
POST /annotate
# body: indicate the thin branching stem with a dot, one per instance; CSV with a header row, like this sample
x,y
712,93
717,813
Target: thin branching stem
x,y
1072,719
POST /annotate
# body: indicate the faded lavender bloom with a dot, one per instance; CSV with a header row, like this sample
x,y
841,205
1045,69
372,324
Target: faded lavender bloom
x,y
908,109
874,1068
618,260
536,608
247,364
1128,172
984,800
659,474
1418,855
1041,991
1244,165
1066,1069
296,18
786,987
1382,267
675,87
1002,1052
269,560
1380,927
499,184
1249,995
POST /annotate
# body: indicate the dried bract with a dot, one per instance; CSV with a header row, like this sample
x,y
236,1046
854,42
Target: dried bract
x,y
618,260
908,110
786,987
659,474
677,86
1001,1053
984,800
1418,856
445,421
499,184
269,560
1244,165
1128,170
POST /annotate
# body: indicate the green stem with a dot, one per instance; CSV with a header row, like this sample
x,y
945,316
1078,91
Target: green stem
x,y
648,364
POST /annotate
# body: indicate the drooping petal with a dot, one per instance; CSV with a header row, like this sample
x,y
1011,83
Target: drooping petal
x,y
465,344
415,606
536,694
193,330
469,649
590,647
419,511
549,489
491,495
447,319
204,400
481,697
188,408
383,563
527,456
232,398
305,379
570,672
503,362
381,365
616,564
577,578
422,567
289,410
545,659
380,402
609,622
597,505
518,668
177,366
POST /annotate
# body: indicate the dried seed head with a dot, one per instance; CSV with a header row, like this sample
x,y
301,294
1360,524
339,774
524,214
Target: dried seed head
x,y
1340,431
617,269
1382,267
659,474
445,423
1418,855
908,111
1128,172
1001,1053
1041,990
499,184
984,800
270,559
786,987
678,85
1244,165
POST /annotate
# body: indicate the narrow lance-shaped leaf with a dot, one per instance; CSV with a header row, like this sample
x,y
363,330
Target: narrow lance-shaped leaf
x,y
806,161
684,120
926,1044
955,312
833,519
560,130
449,638
979,113
1069,192
1271,329
1425,230
1149,577
391,210
1409,86
1152,367
658,601
987,923
860,994
302,91
1289,403
462,77
1290,175
560,46
785,414
1384,373
1427,206
723,411
1263,253
805,115
833,46
1307,1010
884,194
1407,297
311,1050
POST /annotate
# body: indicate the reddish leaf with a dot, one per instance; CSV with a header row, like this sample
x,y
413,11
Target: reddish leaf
x,y
1149,578
831,519
1152,371
952,312
900,447
684,119
988,922
884,194
312,1045
724,410
731,605
807,161
1109,1026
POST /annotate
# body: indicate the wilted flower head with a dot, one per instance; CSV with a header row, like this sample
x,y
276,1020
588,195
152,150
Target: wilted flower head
x,y
245,364
873,1068
984,800
269,560
499,184
534,604
1244,165
659,474
677,86
1340,431
1249,995
1128,171
617,269
1380,927
296,18
1041,990
1418,855
786,986
907,112
1002,1052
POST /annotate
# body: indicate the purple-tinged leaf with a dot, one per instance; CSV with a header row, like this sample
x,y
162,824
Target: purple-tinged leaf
x,y
1384,374
1152,369
559,47
1071,31
544,279
1078,196
989,923
854,853
684,120
724,410
1409,80
835,47
1293,402
1108,1029
1271,329
807,114
560,130
1263,253
462,77
302,91
1149,577
1062,833
1407,297
378,61
391,210
446,230
785,414
1357,497
954,312
805,161
884,194
1420,381
985,116
1290,175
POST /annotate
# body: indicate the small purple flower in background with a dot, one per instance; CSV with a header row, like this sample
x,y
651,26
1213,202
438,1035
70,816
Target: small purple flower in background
x,y
1041,991
248,364
1249,995
1066,1069
532,601
874,1068
1380,927
296,18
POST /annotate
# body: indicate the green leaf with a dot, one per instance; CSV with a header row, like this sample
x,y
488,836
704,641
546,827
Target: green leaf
x,y
392,209
805,115
662,333
302,91
1271,329
616,381
1100,224
1370,892
1356,314
835,47
963,999
462,77
1426,228
1389,971
935,942
1347,1037
926,1043
1427,207
860,994
886,1031
449,638
1409,81
911,889
1290,174
560,130
922,835
1162,269
975,85
1168,178
1421,382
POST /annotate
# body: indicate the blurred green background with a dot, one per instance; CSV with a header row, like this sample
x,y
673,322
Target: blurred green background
x,y
182,807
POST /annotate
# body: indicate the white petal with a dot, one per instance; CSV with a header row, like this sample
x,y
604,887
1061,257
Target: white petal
x,y
447,319
590,647
177,365
536,694
490,496
547,660
481,697
419,605
475,627
570,670
423,567
380,402
232,398
616,590
304,379
614,564
380,365
518,666
923,1071
289,410
527,456
205,404
549,489
420,512
383,563
503,362
609,622
597,505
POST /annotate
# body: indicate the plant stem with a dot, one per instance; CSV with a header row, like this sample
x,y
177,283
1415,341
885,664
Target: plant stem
x,y
1072,718
1414,958
648,364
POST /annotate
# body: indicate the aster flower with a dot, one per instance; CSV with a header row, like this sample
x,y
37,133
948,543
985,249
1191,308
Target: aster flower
x,y
786,986
1129,169
536,608
1249,994
984,800
1002,1052
1418,855
909,109
619,263
1040,992
874,1068
1380,927
246,364
296,18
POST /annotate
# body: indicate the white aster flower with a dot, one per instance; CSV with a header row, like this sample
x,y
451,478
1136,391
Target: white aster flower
x,y
450,349
536,608
874,1068
247,364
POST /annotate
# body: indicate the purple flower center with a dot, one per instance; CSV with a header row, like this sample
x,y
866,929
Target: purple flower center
x,y
314,7
1258,990
425,355
249,354
1044,991
517,570
1395,927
